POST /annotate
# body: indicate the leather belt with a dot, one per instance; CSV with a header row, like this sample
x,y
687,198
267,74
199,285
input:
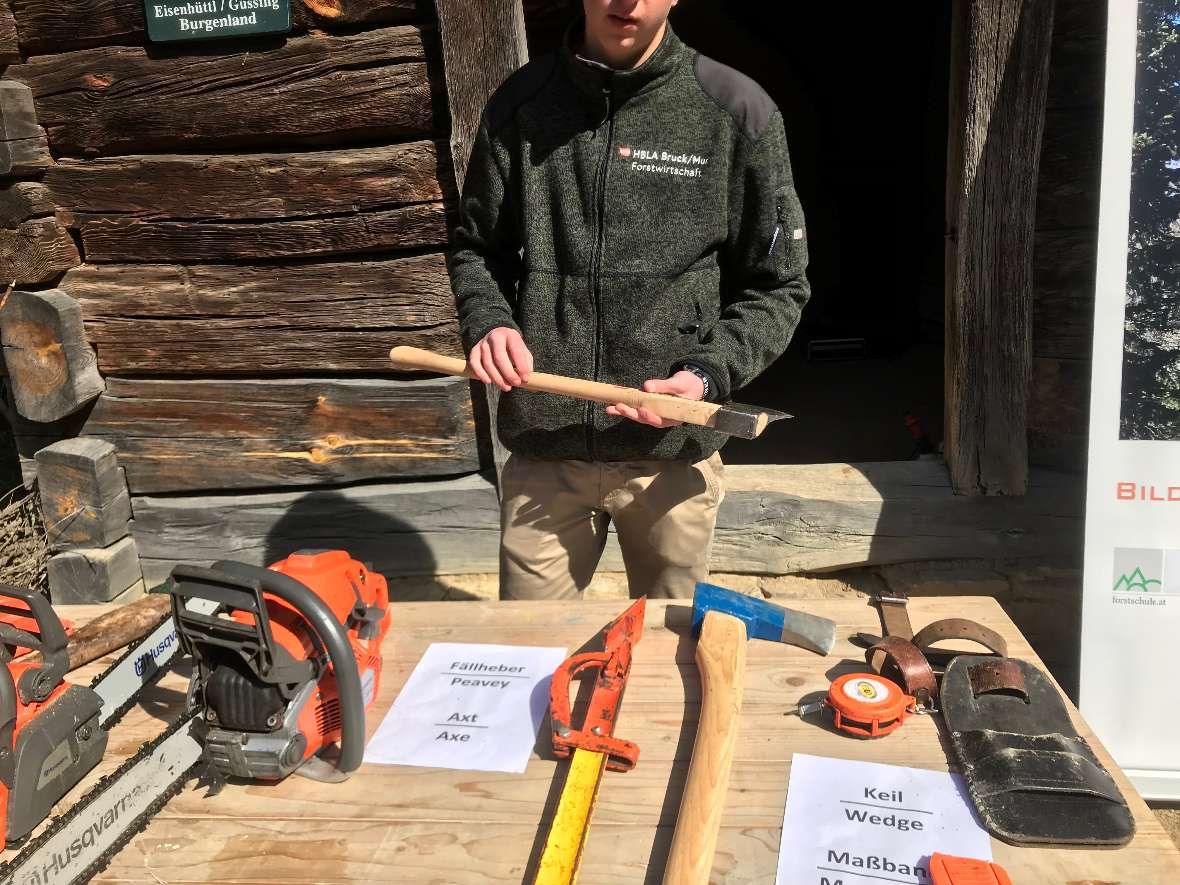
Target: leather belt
x,y
895,618
1002,675
957,628
909,664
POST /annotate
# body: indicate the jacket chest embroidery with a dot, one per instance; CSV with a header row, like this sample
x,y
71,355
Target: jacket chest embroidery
x,y
663,162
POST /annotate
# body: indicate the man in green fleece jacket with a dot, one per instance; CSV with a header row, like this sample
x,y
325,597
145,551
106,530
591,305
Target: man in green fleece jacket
x,y
628,216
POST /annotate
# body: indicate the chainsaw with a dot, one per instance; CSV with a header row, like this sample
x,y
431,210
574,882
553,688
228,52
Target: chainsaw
x,y
286,661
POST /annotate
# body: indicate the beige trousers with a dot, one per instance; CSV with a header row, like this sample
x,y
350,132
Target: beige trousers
x,y
554,517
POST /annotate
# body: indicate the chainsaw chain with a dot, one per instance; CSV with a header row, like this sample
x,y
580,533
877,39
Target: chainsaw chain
x,y
131,651
82,805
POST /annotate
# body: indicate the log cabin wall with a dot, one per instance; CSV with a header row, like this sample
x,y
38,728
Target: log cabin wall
x,y
248,226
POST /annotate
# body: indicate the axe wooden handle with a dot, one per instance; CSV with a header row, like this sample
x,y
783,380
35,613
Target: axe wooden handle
x,y
721,659
114,630
666,406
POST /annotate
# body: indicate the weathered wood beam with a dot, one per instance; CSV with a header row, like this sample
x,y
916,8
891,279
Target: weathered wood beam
x,y
94,574
9,45
22,200
1059,413
84,497
24,149
1068,182
35,248
776,519
35,252
319,89
237,187
263,319
1063,284
45,26
52,369
256,206
194,434
108,238
996,119
482,45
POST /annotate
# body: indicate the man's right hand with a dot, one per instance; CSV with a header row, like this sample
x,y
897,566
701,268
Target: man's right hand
x,y
502,358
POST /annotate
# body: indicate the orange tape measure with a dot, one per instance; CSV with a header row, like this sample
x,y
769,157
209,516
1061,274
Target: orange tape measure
x,y
865,704
946,869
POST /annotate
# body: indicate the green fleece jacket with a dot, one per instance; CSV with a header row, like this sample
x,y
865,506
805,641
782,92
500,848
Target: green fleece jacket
x,y
629,224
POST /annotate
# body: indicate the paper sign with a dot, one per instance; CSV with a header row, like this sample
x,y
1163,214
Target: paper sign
x,y
472,707
861,823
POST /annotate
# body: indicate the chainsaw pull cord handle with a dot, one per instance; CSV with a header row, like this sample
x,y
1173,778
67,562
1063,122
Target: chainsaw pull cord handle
x,y
335,640
37,682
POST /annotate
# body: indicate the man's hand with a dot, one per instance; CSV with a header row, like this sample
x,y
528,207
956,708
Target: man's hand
x,y
683,384
502,358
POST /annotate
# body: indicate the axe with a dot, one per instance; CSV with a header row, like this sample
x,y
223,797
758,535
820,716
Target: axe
x,y
725,620
732,418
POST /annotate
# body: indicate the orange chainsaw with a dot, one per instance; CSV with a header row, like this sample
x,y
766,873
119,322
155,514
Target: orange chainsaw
x,y
286,661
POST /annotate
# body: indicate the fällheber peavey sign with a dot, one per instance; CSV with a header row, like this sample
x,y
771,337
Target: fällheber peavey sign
x,y
215,19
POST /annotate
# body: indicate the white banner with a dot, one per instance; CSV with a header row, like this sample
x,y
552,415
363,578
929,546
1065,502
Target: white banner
x,y
1131,607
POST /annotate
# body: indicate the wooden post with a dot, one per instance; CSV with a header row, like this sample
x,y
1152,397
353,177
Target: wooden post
x,y
483,43
96,574
84,496
1000,71
24,149
52,370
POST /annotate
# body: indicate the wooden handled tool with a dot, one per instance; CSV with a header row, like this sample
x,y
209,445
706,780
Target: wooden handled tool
x,y
113,630
721,659
726,619
732,418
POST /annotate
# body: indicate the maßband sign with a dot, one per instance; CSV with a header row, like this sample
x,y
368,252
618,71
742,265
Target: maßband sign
x,y
170,20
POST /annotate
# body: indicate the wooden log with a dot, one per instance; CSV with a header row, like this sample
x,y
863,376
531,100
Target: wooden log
x,y
36,252
94,574
264,319
24,149
306,90
84,497
776,519
1078,54
190,435
9,45
998,115
52,371
113,630
45,27
22,200
130,239
236,188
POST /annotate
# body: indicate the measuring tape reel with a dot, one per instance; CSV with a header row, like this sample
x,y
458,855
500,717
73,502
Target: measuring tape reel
x,y
868,705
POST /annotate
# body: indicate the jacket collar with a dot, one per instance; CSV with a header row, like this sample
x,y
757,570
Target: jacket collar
x,y
595,79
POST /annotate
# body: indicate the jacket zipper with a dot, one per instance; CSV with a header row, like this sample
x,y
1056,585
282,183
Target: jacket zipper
x,y
596,262
778,228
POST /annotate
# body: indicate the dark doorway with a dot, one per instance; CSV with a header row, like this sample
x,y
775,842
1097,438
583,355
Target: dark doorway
x,y
863,91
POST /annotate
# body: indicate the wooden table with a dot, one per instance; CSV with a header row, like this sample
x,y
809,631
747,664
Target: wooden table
x,y
393,824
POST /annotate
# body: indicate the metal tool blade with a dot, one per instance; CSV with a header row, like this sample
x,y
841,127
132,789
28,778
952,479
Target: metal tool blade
x,y
748,422
808,631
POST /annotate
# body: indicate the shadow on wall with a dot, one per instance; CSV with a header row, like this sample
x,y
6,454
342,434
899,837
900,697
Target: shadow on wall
x,y
327,520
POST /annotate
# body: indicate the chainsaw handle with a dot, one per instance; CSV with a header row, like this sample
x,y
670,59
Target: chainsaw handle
x,y
334,637
36,682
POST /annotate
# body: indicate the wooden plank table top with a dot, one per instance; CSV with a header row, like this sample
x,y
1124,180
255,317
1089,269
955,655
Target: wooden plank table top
x,y
397,824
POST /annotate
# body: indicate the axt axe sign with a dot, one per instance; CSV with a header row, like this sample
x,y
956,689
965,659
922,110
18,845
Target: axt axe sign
x,y
170,21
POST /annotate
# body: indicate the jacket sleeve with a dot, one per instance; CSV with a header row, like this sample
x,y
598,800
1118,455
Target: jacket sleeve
x,y
484,260
764,263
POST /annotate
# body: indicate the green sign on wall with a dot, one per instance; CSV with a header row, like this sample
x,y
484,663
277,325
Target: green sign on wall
x,y
213,19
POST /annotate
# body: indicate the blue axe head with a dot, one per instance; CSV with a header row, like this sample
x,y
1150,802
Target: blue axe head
x,y
764,620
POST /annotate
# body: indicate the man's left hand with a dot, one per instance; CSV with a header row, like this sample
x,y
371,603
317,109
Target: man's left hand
x,y
683,384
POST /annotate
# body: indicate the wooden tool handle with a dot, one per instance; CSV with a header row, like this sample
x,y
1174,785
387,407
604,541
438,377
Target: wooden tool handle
x,y
666,406
721,659
113,630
